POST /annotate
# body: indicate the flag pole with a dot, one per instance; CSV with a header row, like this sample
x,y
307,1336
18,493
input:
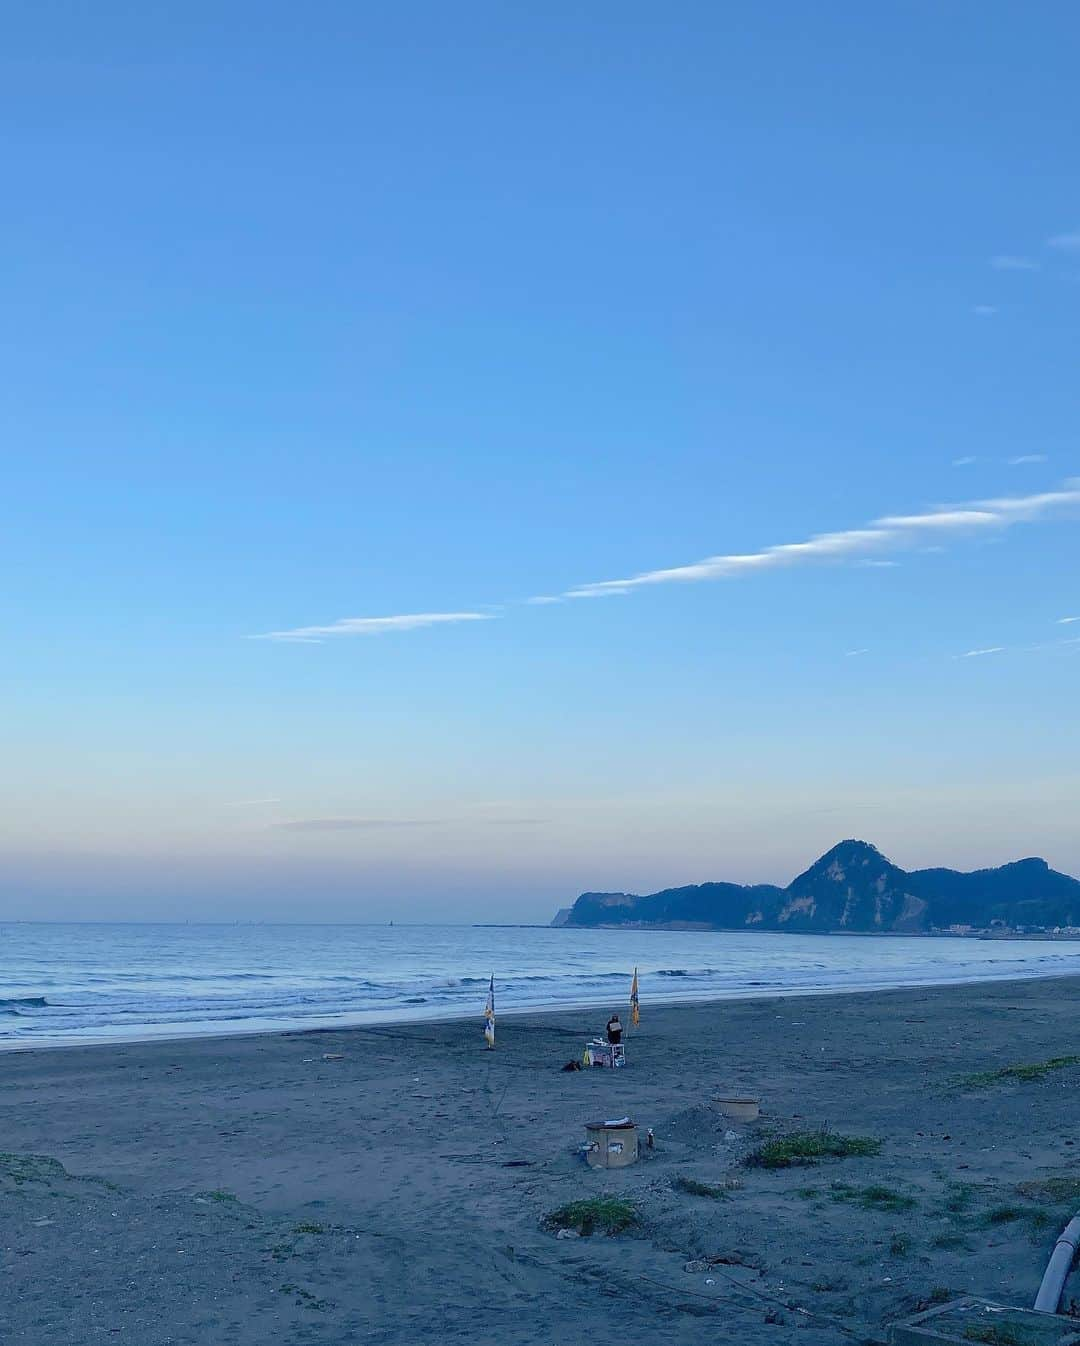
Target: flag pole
x,y
489,1016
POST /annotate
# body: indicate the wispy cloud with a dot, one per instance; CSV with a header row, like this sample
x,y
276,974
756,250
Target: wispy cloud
x,y
1040,647
880,565
850,654
891,533
1027,458
984,310
543,599
1006,263
370,626
1067,621
966,461
1067,242
348,824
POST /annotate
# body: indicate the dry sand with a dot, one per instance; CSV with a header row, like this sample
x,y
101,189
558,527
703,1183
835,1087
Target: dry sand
x,y
249,1191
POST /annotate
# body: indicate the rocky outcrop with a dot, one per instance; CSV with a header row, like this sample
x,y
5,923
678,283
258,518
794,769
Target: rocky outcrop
x,y
853,888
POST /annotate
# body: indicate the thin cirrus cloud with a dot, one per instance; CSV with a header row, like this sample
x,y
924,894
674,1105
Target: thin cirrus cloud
x,y
862,546
1006,263
1067,621
1041,647
369,626
348,824
966,461
1067,242
984,310
892,533
1027,458
387,824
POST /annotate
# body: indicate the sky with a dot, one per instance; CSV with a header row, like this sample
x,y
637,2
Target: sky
x,y
455,457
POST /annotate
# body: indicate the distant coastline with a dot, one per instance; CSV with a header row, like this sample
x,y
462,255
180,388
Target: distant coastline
x,y
854,889
1048,936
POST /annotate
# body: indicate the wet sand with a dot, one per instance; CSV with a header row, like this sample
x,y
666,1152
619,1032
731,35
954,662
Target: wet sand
x,y
249,1191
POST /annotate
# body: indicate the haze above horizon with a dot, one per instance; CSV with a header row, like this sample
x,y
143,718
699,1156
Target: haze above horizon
x,y
459,459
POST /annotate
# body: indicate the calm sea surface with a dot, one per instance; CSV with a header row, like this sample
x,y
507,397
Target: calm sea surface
x,y
82,983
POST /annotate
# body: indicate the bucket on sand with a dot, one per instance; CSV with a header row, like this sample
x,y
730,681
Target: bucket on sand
x,y
611,1144
739,1109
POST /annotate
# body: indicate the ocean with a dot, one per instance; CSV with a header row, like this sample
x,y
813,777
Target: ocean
x,y
71,983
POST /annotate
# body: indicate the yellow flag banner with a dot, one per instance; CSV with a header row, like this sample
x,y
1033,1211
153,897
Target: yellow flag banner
x,y
635,1012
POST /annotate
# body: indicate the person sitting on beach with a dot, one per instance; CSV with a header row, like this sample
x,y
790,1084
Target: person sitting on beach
x,y
614,1030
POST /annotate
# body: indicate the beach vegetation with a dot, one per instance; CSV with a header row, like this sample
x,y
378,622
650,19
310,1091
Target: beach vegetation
x,y
810,1147
309,1227
960,1197
595,1215
1024,1072
874,1197
1005,1215
304,1299
1049,1189
900,1245
23,1168
20,1169
692,1187
999,1334
220,1194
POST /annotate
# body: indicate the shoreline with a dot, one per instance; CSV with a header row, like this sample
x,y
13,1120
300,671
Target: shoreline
x,y
396,1018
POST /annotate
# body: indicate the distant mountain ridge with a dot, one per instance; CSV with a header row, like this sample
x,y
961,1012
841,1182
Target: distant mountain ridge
x,y
854,888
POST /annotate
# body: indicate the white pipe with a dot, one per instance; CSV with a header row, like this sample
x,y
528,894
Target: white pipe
x,y
1061,1260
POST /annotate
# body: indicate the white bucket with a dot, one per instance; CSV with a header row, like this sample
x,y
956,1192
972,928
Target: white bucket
x,y
739,1109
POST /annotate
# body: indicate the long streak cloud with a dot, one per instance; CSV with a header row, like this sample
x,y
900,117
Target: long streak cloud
x,y
891,533
370,626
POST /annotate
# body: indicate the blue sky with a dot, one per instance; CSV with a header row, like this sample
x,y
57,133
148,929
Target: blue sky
x,y
373,312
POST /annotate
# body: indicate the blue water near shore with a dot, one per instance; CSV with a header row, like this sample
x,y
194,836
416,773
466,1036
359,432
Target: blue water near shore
x,y
85,983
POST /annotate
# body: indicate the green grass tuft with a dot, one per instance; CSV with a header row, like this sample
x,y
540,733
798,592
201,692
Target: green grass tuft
x,y
999,1334
1034,1070
809,1147
1005,1214
1049,1189
304,1299
595,1215
24,1168
874,1197
694,1188
308,1227
961,1195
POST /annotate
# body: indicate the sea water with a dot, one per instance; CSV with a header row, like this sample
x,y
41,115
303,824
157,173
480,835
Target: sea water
x,y
69,983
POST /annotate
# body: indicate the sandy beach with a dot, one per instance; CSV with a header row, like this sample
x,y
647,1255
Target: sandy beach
x,y
251,1190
